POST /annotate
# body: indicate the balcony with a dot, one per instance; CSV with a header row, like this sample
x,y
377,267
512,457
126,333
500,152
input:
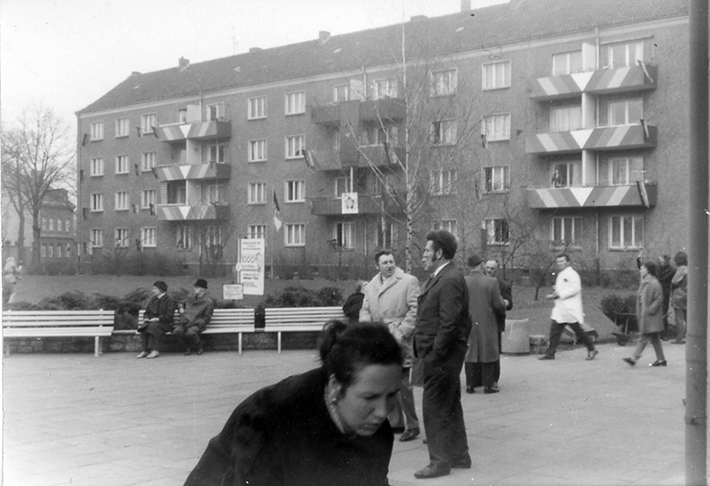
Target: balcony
x,y
367,204
640,195
355,112
211,170
604,138
602,81
198,212
351,156
195,131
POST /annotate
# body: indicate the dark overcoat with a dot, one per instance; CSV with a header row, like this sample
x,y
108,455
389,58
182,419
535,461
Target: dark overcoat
x,y
485,303
649,306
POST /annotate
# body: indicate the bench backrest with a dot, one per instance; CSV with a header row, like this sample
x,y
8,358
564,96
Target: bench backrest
x,y
57,318
223,318
302,315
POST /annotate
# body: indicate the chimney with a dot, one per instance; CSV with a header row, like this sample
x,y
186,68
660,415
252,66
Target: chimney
x,y
465,5
254,50
135,73
323,37
183,63
418,18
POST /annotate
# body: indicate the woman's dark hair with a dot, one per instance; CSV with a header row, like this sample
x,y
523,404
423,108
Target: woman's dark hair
x,y
652,267
681,258
346,348
444,241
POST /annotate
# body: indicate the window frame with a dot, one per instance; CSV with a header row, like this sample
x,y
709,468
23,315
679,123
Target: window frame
x,y
611,62
148,121
123,127
295,191
344,234
443,181
341,93
627,103
449,225
152,233
444,82
122,201
385,88
251,150
146,157
256,231
568,69
634,218
506,117
573,119
96,131
118,164
444,133
219,110
295,103
496,84
183,232
146,199
292,239
97,202
96,237
256,108
121,237
577,224
256,193
292,152
492,183
96,167
491,224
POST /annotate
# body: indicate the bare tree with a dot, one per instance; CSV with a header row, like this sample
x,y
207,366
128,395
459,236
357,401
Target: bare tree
x,y
38,156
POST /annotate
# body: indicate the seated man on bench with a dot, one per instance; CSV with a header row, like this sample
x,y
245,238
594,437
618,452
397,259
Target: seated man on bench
x,y
158,319
195,314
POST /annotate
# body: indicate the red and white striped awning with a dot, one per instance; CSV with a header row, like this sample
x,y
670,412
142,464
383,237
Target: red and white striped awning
x,y
192,171
624,136
639,195
198,130
199,212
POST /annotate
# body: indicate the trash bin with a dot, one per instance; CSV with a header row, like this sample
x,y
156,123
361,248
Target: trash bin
x,y
516,338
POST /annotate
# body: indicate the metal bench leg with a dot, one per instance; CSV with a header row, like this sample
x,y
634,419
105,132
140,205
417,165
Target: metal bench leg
x,y
279,342
240,343
97,346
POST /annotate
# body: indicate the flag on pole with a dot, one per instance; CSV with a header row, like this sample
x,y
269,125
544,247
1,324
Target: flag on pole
x,y
310,160
277,213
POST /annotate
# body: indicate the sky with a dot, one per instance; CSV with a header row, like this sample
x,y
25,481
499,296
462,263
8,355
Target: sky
x,y
65,54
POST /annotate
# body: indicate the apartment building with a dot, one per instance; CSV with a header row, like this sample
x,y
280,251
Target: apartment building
x,y
525,128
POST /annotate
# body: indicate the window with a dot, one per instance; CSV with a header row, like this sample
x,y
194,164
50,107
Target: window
x,y
295,146
344,235
215,153
122,240
564,174
257,151
443,132
443,181
215,111
148,161
625,112
565,118
51,224
496,127
122,127
342,184
566,232
147,198
213,241
122,201
217,193
295,235
624,54
97,238
256,193
621,171
148,237
182,115
443,83
43,250
50,247
183,235
148,122
176,192
256,108
97,167
497,231
256,231
122,164
496,75
296,103
97,131
67,225
625,232
45,224
376,134
566,63
68,251
59,250
97,202
386,235
295,191
446,224
341,93
385,88
497,179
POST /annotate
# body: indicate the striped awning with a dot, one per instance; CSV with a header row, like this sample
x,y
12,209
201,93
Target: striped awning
x,y
638,195
198,130
200,212
192,171
616,80
624,136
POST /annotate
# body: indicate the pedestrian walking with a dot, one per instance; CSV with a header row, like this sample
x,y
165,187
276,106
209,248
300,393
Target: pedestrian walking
x,y
440,341
391,298
679,295
567,310
649,314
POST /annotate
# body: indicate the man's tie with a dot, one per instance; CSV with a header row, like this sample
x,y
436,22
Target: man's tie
x,y
428,282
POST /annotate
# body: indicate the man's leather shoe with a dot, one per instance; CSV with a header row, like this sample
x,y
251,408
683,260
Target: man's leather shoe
x,y
409,434
469,389
464,463
659,362
631,361
188,352
490,389
592,354
153,354
546,356
200,350
432,471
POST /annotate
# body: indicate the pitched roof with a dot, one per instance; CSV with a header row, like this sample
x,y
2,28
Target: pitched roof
x,y
519,20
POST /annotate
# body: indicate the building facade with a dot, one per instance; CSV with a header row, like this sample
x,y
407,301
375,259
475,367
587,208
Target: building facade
x,y
526,129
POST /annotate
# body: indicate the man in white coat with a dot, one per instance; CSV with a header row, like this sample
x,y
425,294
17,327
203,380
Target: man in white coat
x,y
391,298
568,308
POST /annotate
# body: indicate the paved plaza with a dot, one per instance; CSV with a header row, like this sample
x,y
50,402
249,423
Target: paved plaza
x,y
117,421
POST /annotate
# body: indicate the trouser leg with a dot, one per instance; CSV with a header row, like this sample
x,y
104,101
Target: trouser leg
x,y
582,336
406,402
488,374
680,325
496,376
555,335
640,346
657,346
144,341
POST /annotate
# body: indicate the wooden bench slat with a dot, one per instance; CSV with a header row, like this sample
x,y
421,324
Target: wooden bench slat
x,y
58,332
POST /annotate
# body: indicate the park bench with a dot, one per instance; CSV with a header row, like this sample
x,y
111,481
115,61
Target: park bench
x,y
59,323
299,319
224,321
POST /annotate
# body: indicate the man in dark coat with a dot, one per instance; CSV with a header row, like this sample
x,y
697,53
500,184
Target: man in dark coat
x,y
157,320
440,341
195,315
506,291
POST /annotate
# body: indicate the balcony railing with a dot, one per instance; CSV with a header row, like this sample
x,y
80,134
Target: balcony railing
x,y
196,131
367,204
602,81
639,195
350,155
604,138
183,172
354,112
197,212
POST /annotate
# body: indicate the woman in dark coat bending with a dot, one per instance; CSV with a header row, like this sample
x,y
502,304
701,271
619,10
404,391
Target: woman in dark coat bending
x,y
326,426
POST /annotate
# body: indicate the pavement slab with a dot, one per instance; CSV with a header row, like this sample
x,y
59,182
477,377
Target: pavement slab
x,y
119,421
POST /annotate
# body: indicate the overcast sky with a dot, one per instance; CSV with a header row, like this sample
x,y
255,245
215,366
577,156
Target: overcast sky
x,y
65,54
